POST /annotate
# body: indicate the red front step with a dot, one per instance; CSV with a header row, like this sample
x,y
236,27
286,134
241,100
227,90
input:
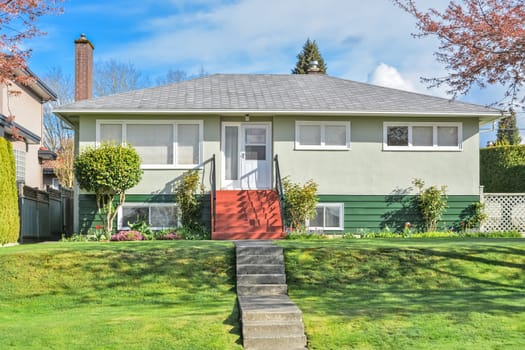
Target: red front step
x,y
247,214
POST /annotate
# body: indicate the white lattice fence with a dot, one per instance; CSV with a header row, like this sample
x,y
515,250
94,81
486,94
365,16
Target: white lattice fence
x,y
506,211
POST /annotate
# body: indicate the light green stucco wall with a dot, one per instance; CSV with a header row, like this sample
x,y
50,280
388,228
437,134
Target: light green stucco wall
x,y
160,181
365,169
368,170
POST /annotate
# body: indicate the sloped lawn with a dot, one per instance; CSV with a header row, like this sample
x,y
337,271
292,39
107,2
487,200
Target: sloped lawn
x,y
121,295
402,294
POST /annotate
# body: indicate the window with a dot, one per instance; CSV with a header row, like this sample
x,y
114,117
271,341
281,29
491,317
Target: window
x,y
322,135
160,144
422,136
156,215
328,216
20,164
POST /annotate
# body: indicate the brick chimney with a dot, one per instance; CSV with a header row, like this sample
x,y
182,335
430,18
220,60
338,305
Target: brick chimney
x,y
83,68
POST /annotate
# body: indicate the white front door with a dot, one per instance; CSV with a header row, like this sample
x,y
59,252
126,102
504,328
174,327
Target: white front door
x,y
246,156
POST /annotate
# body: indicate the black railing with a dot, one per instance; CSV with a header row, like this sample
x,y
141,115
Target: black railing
x,y
279,188
213,193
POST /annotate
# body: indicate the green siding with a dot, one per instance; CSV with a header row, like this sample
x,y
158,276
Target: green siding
x,y
375,213
361,213
88,208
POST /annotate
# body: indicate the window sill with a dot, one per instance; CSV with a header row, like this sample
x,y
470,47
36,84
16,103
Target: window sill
x,y
322,148
423,149
322,229
170,167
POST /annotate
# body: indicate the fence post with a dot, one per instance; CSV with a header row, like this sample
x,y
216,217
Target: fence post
x,y
481,194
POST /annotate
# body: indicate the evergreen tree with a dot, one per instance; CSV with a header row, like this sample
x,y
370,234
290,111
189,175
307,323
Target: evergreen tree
x,y
309,53
508,133
9,216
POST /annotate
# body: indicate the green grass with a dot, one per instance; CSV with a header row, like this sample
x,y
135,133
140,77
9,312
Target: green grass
x,y
409,294
354,294
125,295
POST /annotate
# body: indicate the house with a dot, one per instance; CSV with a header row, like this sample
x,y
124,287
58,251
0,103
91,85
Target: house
x,y
25,103
362,144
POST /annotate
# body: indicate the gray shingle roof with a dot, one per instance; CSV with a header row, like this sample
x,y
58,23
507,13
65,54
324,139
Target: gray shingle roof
x,y
288,93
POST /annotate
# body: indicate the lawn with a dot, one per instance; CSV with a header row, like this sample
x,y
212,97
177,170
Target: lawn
x,y
125,295
409,294
355,294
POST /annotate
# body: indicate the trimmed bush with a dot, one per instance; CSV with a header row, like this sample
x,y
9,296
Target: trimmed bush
x,y
502,169
9,216
108,171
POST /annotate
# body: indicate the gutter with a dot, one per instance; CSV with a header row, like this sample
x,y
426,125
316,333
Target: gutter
x,y
28,136
229,112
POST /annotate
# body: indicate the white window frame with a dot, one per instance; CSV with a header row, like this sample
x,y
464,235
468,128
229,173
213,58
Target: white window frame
x,y
174,124
322,125
434,147
340,206
124,226
20,165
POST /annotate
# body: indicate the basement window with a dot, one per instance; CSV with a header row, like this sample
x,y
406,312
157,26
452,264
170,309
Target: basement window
x,y
328,216
157,215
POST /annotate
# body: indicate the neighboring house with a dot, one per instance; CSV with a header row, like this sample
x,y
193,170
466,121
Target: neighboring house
x,y
361,143
25,103
50,178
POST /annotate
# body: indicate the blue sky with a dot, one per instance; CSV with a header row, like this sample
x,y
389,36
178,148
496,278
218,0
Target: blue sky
x,y
369,43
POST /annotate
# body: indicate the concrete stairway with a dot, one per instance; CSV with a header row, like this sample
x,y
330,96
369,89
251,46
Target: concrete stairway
x,y
270,320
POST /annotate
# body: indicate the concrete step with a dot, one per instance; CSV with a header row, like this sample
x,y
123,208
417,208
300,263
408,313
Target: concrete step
x,y
260,259
268,278
262,289
254,235
264,308
258,250
248,269
274,343
276,328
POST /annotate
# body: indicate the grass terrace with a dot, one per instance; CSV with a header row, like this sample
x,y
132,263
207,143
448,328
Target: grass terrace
x,y
125,295
354,294
409,294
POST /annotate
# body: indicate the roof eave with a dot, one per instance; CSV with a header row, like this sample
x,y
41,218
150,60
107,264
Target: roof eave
x,y
37,86
491,115
10,126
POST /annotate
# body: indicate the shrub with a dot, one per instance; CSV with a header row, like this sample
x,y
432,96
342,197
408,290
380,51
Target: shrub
x,y
108,171
432,202
187,201
304,236
128,236
500,234
299,202
143,228
197,232
9,216
502,168
476,216
169,236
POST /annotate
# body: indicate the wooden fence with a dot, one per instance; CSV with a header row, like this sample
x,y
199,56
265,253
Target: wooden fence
x,y
45,215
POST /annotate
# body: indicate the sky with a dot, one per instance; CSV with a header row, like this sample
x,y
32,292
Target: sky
x,y
363,41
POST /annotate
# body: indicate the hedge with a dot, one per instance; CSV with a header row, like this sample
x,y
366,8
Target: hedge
x,y
502,169
9,217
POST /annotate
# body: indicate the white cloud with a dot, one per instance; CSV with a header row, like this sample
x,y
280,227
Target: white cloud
x,y
261,36
387,76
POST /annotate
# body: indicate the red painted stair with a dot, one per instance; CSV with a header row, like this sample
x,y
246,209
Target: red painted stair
x,y
247,214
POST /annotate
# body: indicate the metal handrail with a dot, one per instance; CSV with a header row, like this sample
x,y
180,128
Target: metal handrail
x,y
213,193
279,188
